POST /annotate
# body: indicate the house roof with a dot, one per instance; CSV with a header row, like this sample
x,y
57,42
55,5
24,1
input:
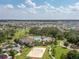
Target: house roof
x,y
16,48
26,40
3,56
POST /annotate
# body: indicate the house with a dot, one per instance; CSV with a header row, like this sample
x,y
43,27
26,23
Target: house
x,y
26,41
16,47
5,56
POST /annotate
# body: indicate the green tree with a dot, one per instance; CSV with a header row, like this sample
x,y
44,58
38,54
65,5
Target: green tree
x,y
0,50
63,56
34,31
71,36
20,33
60,36
66,44
13,53
72,55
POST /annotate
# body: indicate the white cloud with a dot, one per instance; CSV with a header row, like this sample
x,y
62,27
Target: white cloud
x,y
47,8
46,11
21,6
74,8
30,3
9,6
77,4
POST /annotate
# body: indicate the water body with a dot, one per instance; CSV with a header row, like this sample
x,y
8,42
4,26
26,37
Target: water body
x,y
40,38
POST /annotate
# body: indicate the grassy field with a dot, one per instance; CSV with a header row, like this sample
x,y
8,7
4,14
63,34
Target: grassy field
x,y
24,53
46,55
60,50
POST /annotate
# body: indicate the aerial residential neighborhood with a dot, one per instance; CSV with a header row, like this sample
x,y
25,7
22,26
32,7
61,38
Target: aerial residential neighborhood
x,y
54,41
39,29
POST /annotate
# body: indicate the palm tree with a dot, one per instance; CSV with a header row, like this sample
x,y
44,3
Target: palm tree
x,y
12,53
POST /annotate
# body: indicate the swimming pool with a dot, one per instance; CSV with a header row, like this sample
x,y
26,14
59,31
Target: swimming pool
x,y
40,38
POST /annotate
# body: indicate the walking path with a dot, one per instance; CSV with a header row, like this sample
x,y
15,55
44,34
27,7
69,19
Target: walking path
x,y
50,52
62,45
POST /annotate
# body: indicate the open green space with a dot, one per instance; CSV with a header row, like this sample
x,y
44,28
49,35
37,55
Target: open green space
x,y
59,51
46,55
25,51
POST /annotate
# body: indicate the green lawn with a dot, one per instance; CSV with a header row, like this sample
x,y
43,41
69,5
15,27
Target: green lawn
x,y
59,51
24,53
46,55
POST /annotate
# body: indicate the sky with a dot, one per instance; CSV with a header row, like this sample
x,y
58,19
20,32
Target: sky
x,y
39,9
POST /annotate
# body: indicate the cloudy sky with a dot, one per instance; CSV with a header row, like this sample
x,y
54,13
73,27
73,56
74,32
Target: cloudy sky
x,y
39,9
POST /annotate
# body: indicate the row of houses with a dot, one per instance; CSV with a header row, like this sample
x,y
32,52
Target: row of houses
x,y
6,48
30,40
17,46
